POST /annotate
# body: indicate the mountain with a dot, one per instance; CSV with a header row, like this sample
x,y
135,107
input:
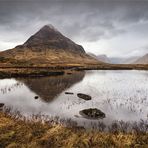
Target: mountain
x,y
142,60
50,38
130,60
47,47
102,58
120,60
114,60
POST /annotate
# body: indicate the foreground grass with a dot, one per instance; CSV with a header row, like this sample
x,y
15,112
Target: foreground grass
x,y
18,133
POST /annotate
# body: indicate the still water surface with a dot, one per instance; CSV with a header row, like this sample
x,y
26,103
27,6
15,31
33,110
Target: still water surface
x,y
121,95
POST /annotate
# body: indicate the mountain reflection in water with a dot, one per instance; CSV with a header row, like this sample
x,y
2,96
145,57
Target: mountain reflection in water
x,y
47,88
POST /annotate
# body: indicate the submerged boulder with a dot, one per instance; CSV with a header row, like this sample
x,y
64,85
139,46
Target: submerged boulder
x,y
84,96
1,105
92,113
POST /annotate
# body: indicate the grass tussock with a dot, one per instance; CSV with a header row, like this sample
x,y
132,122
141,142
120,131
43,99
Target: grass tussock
x,y
21,133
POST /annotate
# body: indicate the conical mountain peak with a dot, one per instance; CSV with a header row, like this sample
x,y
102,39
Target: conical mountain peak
x,y
43,36
48,27
48,37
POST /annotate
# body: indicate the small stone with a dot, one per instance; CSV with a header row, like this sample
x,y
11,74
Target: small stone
x,y
84,96
76,116
69,93
36,97
69,73
1,105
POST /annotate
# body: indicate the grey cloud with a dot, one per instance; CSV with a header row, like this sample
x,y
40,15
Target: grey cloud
x,y
72,16
81,20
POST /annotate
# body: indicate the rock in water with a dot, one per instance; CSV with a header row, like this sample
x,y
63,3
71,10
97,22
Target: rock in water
x,y
92,113
69,93
84,96
36,97
2,104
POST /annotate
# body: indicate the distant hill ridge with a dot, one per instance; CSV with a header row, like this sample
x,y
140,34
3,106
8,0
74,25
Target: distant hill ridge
x,y
119,60
142,60
101,57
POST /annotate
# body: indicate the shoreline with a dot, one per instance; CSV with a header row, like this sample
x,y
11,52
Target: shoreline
x,y
40,71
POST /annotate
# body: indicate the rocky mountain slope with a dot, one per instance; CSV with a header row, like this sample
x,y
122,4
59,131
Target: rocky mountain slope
x,y
47,47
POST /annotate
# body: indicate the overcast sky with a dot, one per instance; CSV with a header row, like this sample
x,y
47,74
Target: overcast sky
x,y
114,28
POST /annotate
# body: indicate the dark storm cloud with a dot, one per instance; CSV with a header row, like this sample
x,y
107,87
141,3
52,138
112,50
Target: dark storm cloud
x,y
76,19
83,20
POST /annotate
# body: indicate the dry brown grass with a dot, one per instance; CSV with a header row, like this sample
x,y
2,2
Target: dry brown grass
x,y
18,133
28,57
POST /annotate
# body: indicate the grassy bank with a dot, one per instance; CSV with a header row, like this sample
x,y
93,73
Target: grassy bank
x,y
18,133
28,72
8,72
